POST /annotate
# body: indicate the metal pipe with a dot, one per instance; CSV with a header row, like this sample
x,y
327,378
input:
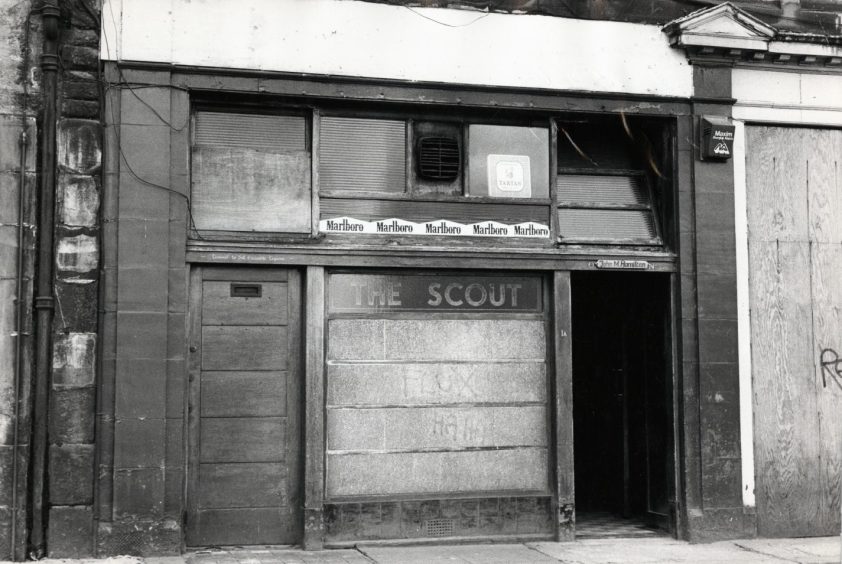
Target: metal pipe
x,y
19,333
20,304
44,301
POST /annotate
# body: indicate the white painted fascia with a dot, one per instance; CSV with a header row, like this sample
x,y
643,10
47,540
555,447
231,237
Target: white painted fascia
x,y
797,48
722,41
347,38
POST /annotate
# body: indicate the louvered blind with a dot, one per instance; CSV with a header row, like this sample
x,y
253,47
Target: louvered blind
x,y
605,225
602,190
364,155
251,131
606,208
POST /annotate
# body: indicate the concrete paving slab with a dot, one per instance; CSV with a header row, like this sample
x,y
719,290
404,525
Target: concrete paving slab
x,y
651,551
455,554
276,555
820,550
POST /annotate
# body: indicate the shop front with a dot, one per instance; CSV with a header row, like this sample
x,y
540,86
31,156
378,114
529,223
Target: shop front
x,y
399,312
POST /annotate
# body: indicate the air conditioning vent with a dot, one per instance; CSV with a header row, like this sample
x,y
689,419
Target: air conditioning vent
x,y
438,158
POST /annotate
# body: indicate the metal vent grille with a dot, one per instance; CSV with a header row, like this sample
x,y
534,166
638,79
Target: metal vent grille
x,y
438,158
438,527
251,131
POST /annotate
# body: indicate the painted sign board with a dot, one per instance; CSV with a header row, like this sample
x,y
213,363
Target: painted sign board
x,y
361,293
622,264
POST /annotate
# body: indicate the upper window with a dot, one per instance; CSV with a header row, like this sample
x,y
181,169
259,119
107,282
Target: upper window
x,y
250,173
604,190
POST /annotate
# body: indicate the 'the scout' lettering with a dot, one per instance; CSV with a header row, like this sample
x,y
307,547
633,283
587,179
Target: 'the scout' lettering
x,y
360,293
383,294
475,295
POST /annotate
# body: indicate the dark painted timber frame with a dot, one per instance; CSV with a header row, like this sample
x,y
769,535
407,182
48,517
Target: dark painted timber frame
x,y
314,258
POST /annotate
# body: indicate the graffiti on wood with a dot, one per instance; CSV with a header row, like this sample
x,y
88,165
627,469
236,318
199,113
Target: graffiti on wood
x,y
831,366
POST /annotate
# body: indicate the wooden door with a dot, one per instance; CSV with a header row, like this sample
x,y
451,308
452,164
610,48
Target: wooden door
x,y
244,408
794,202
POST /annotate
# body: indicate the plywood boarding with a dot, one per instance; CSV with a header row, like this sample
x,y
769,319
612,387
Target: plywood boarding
x,y
245,479
431,406
237,189
794,198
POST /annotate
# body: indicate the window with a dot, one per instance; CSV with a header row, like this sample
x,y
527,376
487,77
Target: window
x,y
604,192
250,173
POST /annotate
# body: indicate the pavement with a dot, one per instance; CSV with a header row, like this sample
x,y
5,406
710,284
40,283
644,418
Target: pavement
x,y
659,550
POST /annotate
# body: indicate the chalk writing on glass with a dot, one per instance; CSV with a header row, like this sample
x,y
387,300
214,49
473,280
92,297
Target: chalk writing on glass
x,y
831,366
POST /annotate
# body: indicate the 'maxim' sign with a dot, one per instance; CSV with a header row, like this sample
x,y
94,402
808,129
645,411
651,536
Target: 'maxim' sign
x,y
359,293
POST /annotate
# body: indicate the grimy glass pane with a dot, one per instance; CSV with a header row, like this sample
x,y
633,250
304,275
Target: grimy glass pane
x,y
603,224
364,155
430,405
508,162
602,190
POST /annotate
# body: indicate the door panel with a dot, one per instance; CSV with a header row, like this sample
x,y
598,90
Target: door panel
x,y
244,404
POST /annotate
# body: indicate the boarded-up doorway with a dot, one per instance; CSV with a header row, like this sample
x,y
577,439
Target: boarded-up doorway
x,y
244,429
794,201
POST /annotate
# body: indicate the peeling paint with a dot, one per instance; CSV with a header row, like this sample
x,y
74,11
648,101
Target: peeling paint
x,y
79,201
79,147
74,360
79,253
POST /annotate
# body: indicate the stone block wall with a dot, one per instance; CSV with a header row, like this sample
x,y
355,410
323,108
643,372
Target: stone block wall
x,y
73,396
19,96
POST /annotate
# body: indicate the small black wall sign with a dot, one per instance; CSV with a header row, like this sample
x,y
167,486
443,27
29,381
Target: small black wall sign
x,y
717,138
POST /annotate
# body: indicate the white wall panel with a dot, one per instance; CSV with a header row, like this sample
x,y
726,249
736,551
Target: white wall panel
x,y
373,40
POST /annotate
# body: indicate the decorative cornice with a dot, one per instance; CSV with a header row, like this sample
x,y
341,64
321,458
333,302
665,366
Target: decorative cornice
x,y
728,35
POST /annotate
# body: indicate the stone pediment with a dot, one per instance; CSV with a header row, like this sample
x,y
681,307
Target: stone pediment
x,y
720,26
727,32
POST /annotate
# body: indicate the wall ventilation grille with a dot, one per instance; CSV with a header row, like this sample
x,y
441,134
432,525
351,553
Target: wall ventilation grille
x,y
438,158
438,527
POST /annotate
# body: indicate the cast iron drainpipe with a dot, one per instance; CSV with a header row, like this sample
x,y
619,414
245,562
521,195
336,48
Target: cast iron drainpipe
x,y
44,301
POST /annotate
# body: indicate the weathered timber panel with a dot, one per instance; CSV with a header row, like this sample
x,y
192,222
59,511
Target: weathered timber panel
x,y
221,308
244,348
260,525
242,485
237,189
437,472
427,427
435,384
436,339
247,439
244,470
794,194
232,394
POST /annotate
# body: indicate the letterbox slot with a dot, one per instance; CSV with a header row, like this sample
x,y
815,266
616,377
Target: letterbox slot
x,y
240,290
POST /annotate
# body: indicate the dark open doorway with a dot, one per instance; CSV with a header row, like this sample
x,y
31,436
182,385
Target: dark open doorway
x,y
622,403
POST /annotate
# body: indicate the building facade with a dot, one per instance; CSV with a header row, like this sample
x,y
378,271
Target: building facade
x,y
376,272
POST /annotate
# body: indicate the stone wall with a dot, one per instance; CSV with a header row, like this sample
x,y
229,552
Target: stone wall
x,y
19,96
71,457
